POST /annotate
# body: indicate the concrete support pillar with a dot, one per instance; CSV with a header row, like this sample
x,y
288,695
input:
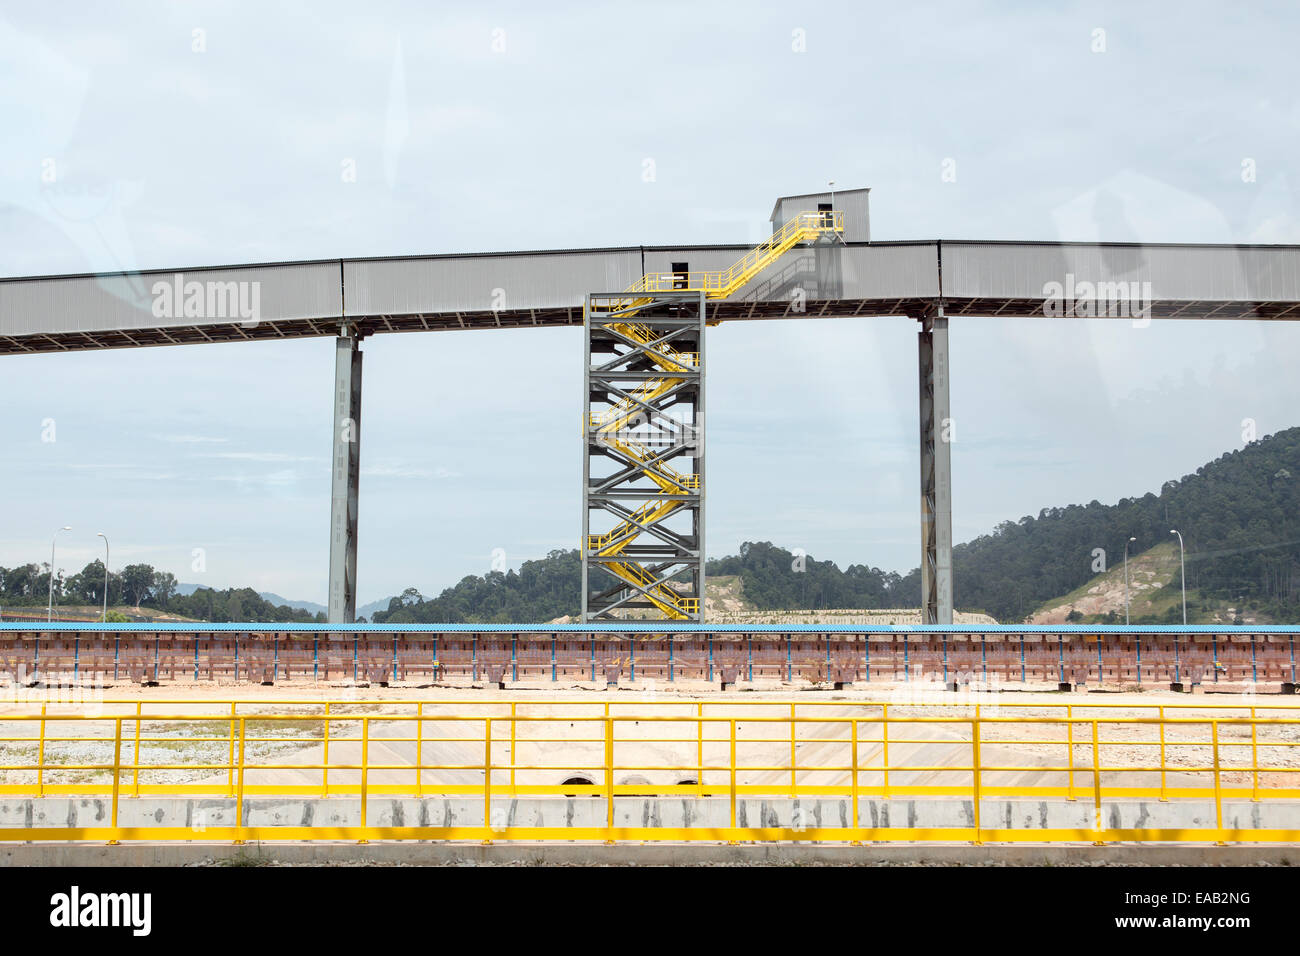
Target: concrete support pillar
x,y
345,468
937,434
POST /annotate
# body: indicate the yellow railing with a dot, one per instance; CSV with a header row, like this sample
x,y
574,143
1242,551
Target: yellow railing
x,y
720,755
803,227
659,594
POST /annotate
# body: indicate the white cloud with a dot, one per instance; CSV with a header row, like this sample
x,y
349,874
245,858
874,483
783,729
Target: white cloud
x,y
399,470
258,456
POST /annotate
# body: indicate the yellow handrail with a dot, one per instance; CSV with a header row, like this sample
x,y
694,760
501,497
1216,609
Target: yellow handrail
x,y
729,750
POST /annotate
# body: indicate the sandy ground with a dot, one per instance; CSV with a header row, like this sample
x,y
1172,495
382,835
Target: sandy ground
x,y
930,748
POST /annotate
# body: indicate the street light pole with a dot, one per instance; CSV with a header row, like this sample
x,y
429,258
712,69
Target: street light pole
x,y
1126,544
105,537
1182,571
49,614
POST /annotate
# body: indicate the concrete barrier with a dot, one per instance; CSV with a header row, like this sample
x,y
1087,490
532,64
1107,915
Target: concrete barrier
x,y
652,854
671,812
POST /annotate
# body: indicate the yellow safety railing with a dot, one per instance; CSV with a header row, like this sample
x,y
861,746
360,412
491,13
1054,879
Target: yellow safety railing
x,y
721,755
803,227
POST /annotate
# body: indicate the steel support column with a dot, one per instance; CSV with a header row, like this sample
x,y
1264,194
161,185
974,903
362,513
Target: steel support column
x,y
643,455
346,463
937,434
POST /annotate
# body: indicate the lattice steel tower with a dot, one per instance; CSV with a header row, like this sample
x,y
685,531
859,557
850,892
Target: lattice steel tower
x,y
644,462
643,431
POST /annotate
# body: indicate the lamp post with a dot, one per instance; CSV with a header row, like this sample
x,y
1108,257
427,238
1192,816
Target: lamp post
x,y
49,614
1126,544
1182,571
101,534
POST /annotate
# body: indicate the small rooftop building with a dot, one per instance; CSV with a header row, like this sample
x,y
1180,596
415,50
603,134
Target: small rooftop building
x,y
852,202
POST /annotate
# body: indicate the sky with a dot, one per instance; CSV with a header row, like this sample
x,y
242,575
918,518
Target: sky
x,y
187,134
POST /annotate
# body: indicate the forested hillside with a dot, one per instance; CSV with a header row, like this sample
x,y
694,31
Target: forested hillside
x,y
138,585
777,579
540,590
551,587
1239,516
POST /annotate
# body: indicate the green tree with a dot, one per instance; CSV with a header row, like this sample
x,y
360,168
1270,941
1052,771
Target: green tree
x,y
137,582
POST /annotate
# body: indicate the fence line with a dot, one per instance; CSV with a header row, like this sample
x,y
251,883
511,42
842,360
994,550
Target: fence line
x,y
755,756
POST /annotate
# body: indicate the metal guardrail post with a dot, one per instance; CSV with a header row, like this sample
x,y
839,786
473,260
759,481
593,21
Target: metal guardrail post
x,y
1164,797
325,769
854,783
794,781
1254,758
512,747
733,776
365,776
117,776
419,749
1069,747
1096,779
884,738
699,748
609,777
1218,796
40,758
135,783
487,781
239,798
975,778
230,762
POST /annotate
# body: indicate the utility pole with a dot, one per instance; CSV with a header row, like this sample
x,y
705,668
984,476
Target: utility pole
x,y
1182,572
49,615
1126,544
100,534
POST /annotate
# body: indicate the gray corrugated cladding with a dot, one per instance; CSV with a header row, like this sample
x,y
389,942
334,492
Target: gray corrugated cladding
x,y
898,271
470,283
854,203
547,280
101,303
434,284
998,270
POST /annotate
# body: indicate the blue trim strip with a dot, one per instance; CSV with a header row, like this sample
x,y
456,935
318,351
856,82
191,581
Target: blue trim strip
x,y
657,627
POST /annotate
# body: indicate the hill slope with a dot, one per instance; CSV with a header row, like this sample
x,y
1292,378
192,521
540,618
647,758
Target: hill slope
x,y
550,588
1239,516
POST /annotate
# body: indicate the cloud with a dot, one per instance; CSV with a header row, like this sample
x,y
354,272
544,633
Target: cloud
x,y
399,470
266,456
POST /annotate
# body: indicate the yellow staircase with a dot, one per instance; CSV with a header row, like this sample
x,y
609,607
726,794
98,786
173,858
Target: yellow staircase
x,y
673,485
804,227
